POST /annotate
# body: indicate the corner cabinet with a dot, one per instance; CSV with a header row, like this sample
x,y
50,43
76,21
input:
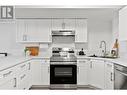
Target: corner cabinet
x,y
33,30
122,24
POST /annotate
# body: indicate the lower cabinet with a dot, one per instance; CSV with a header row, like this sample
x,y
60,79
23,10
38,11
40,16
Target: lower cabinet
x,y
40,72
45,72
82,72
23,81
36,72
9,84
109,76
96,73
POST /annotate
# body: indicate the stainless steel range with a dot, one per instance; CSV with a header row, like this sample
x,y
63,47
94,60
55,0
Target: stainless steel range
x,y
63,68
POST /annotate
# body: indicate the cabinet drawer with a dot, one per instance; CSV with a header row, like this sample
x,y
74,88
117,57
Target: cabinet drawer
x,y
23,67
82,62
7,73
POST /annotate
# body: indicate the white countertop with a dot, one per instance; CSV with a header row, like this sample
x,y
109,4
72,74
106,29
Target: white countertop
x,y
9,61
120,61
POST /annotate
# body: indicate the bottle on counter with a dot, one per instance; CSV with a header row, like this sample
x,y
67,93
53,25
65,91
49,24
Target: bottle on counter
x,y
81,52
115,49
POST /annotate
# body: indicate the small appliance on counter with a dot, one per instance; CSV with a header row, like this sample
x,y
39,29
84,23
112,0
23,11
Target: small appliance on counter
x,y
81,52
32,51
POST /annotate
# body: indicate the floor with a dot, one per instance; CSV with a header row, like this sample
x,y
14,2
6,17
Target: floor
x,y
88,87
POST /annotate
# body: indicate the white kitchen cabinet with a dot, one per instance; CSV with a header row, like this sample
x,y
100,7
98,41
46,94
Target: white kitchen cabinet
x,y
82,72
8,79
39,30
9,84
122,24
36,72
46,72
23,80
109,76
21,32
63,24
34,30
96,73
81,30
24,75
40,72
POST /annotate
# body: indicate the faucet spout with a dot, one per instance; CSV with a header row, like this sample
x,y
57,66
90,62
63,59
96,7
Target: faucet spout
x,y
103,42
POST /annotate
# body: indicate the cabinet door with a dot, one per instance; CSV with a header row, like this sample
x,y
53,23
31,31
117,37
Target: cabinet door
x,y
21,33
82,73
109,75
69,24
81,30
57,24
96,73
32,30
8,85
36,70
122,24
45,72
44,30
63,24
23,81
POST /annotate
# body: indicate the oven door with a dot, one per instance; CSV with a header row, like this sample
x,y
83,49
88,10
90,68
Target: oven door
x,y
63,74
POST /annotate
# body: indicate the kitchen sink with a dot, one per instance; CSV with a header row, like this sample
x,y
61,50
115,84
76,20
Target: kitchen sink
x,y
103,56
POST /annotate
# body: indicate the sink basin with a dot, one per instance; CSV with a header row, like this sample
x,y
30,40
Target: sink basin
x,y
107,57
103,56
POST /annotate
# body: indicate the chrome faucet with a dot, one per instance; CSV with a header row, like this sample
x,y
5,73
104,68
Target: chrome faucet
x,y
104,47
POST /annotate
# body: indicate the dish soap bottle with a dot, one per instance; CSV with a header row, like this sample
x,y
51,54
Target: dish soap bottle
x,y
115,50
81,52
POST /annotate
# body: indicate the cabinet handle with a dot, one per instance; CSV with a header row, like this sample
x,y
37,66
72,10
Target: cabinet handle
x,y
78,70
6,74
15,82
23,66
29,66
111,76
24,37
22,76
91,65
48,69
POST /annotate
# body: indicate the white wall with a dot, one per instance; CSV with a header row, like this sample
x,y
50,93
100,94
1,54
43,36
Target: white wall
x,y
99,28
7,37
98,31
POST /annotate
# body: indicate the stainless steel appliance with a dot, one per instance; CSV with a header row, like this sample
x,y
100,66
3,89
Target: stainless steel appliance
x,y
120,77
63,68
63,33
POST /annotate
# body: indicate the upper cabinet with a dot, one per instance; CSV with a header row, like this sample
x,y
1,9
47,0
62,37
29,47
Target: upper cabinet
x,y
34,30
78,25
122,24
40,30
63,24
81,30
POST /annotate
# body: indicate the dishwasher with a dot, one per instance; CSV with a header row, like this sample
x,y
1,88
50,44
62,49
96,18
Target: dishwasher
x,y
120,77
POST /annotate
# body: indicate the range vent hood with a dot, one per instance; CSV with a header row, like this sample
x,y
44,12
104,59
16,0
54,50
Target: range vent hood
x,y
63,33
